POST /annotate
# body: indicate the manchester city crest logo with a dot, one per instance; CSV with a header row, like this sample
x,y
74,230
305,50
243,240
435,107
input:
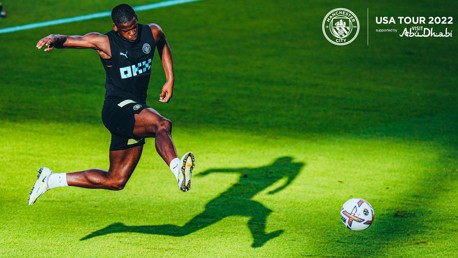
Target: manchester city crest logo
x,y
146,48
340,26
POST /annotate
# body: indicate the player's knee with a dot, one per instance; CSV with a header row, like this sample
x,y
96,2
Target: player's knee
x,y
165,125
116,184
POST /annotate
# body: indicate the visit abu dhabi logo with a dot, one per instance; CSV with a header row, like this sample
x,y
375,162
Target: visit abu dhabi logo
x,y
340,26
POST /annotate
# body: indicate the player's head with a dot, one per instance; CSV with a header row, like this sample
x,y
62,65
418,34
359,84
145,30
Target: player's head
x,y
122,14
125,21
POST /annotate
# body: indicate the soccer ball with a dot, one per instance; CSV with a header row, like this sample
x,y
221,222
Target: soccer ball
x,y
357,214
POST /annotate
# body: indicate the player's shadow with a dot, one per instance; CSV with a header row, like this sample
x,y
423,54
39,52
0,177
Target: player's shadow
x,y
236,201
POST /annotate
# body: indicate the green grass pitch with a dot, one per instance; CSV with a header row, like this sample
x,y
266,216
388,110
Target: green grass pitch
x,y
284,125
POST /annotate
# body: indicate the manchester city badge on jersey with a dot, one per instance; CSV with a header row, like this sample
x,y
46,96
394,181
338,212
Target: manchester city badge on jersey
x,y
146,48
136,107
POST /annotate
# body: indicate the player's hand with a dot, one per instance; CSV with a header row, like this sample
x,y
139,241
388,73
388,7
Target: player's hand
x,y
47,41
167,92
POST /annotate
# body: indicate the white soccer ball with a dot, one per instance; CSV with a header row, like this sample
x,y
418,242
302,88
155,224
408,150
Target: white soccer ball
x,y
357,214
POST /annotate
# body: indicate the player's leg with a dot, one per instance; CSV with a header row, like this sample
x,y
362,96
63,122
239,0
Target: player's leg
x,y
122,165
149,123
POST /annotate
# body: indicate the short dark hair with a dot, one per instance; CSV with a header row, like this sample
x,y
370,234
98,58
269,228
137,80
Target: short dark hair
x,y
122,14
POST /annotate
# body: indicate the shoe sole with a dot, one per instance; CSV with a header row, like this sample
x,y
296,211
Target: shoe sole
x,y
186,170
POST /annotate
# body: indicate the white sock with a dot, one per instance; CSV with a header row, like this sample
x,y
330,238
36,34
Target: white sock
x,y
175,166
57,180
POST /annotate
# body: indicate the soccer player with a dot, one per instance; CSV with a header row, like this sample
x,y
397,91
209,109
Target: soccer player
x,y
2,13
126,53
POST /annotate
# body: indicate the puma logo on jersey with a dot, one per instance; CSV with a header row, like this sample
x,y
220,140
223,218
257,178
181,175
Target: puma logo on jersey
x,y
122,54
135,70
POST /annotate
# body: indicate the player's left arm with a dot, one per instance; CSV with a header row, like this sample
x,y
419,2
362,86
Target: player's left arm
x,y
165,54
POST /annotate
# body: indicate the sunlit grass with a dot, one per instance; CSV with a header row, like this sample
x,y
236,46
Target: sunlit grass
x,y
400,179
279,120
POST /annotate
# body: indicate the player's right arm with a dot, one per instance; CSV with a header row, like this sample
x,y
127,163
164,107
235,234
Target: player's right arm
x,y
93,40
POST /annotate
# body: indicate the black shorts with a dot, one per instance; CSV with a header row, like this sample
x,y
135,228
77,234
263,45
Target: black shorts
x,y
118,116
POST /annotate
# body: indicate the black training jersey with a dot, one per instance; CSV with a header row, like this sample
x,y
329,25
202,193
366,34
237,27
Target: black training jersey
x,y
129,68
